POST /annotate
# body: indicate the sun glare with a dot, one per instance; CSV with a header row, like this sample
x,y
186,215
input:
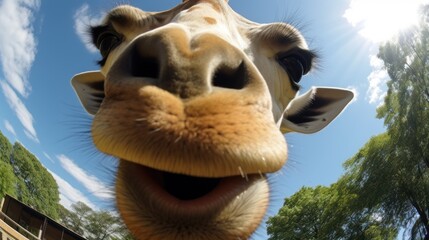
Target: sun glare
x,y
380,20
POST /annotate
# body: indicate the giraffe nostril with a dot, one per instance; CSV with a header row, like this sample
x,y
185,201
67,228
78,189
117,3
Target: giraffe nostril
x,y
147,67
233,78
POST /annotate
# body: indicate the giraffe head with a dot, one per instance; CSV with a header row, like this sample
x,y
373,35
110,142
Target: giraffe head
x,y
193,102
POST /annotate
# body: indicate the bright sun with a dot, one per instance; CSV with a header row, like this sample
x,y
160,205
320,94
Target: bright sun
x,y
380,20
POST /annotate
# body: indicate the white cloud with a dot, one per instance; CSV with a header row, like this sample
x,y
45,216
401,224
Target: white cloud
x,y
9,127
18,49
377,81
21,111
17,42
82,20
69,194
48,157
90,182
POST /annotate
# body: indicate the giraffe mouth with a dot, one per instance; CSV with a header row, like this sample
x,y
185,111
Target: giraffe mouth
x,y
183,195
184,187
151,201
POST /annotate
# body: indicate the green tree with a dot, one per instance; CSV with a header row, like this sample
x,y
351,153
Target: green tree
x,y
102,225
5,148
387,184
123,233
94,225
406,116
8,181
35,185
76,218
304,215
373,177
326,213
391,172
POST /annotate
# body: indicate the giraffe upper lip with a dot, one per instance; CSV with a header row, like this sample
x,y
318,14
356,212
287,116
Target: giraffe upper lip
x,y
219,134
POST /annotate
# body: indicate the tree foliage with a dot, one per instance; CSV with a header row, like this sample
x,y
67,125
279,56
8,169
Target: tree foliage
x,y
326,213
94,225
35,185
388,184
5,149
396,164
24,177
76,218
7,179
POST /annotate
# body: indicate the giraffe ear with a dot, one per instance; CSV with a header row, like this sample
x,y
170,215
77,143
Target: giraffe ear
x,y
89,87
315,109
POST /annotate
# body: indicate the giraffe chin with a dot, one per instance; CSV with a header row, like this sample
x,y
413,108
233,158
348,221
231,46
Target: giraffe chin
x,y
160,205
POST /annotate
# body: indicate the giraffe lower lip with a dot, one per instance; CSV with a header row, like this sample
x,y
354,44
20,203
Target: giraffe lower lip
x,y
149,209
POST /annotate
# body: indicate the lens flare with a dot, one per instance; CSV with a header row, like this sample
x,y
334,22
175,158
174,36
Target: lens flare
x,y
380,20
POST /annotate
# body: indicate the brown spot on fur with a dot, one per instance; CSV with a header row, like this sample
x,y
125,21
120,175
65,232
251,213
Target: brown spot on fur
x,y
216,7
210,20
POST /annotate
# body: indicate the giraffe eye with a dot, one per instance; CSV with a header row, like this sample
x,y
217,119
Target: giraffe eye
x,y
106,42
296,64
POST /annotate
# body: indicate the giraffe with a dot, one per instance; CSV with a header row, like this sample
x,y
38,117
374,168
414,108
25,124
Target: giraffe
x,y
194,102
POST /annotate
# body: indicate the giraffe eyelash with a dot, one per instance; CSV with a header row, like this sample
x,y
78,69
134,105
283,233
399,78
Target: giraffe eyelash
x,y
105,39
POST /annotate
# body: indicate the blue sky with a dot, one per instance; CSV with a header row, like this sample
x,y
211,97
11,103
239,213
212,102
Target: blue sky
x,y
42,47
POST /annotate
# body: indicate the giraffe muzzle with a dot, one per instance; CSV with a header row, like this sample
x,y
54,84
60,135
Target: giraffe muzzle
x,y
185,67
